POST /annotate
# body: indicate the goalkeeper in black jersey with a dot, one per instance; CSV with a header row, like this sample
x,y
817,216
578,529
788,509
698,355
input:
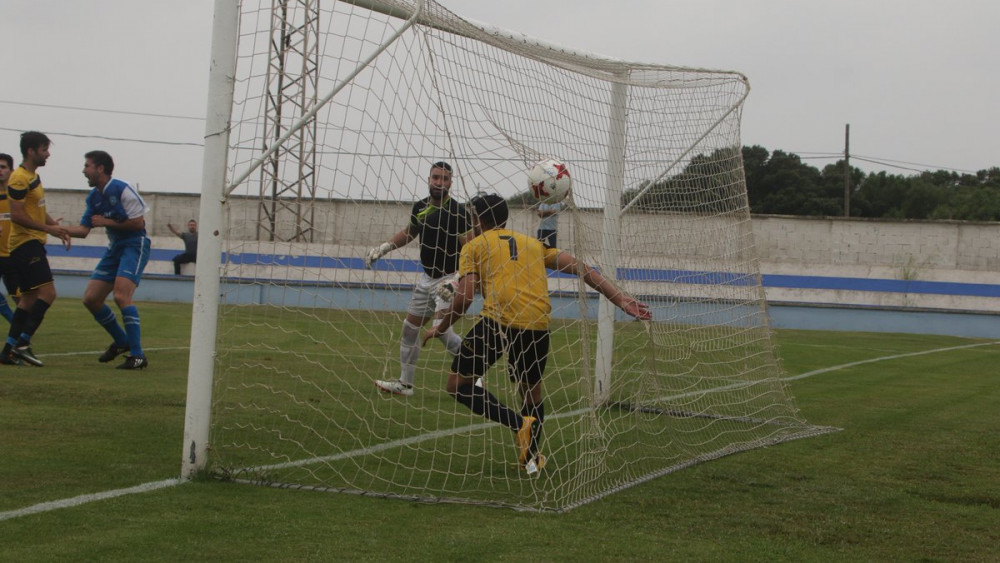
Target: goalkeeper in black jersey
x,y
442,225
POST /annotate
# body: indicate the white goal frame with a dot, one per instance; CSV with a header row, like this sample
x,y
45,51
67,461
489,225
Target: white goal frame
x,y
215,189
668,222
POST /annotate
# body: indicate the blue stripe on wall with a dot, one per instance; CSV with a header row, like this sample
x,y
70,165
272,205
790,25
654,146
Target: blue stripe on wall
x,y
630,274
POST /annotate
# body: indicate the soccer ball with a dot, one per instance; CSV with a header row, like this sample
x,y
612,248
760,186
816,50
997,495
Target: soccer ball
x,y
549,181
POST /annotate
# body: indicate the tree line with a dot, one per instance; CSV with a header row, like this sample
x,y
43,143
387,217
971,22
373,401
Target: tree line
x,y
780,183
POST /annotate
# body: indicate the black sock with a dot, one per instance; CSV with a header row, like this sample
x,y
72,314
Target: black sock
x,y
537,411
35,316
16,328
484,403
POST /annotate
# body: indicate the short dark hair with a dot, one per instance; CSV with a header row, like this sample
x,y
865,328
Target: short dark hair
x,y
491,210
33,140
441,164
7,158
103,159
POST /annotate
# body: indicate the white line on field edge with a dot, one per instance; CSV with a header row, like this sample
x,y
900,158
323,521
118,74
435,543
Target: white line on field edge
x,y
156,485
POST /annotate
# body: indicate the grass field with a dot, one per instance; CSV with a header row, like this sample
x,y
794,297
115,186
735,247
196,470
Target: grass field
x,y
912,477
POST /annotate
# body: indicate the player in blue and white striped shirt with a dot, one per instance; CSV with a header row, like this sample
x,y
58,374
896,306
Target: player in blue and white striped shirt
x,y
116,206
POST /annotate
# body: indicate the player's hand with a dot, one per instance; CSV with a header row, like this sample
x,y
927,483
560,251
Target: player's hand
x,y
62,234
376,253
430,333
637,309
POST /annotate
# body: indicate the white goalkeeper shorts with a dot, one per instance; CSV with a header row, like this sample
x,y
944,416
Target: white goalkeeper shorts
x,y
425,301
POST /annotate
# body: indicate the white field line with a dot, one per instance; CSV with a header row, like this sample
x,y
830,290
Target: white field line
x,y
152,486
99,352
883,358
83,499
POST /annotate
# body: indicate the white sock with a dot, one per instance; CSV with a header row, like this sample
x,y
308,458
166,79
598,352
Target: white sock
x,y
409,351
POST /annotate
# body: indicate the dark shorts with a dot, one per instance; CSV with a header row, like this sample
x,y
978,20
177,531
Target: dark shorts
x,y
547,237
32,265
527,351
10,277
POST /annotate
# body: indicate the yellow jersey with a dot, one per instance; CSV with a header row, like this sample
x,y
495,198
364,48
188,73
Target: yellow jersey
x,y
27,187
511,270
4,225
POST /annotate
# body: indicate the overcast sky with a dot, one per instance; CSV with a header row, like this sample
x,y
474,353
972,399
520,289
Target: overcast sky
x,y
917,80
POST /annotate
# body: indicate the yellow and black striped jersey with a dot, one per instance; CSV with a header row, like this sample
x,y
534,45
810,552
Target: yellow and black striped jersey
x,y
27,187
4,225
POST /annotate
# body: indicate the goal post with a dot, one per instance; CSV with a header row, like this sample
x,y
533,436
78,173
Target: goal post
x,y
324,120
205,309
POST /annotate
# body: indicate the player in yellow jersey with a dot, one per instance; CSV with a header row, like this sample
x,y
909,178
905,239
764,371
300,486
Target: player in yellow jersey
x,y
508,269
8,274
30,227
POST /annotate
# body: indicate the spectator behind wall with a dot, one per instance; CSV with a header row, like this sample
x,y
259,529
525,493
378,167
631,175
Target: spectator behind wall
x,y
190,238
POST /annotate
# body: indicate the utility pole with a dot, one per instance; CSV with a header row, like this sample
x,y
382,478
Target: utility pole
x,y
847,170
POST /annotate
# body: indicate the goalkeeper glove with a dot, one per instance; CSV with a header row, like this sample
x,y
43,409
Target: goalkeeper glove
x,y
376,253
447,290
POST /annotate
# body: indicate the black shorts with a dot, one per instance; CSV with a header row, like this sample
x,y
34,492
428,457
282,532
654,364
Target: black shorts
x,y
547,237
10,277
32,265
527,351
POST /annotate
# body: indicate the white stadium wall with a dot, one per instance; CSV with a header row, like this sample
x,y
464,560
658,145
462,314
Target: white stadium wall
x,y
947,266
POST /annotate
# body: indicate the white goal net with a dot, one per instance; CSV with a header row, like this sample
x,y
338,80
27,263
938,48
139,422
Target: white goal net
x,y
340,108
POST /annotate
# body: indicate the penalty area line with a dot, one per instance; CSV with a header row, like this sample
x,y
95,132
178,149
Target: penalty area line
x,y
84,499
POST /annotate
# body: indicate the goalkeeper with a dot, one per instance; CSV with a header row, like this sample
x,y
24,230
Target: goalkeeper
x,y
508,268
442,225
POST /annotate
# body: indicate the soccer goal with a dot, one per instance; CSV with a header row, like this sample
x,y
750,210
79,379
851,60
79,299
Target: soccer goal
x,y
324,119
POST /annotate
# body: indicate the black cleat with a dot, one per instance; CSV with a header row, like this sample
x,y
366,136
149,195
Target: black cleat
x,y
25,354
9,360
133,362
112,352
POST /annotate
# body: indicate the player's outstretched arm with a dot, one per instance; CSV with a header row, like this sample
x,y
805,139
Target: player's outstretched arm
x,y
566,262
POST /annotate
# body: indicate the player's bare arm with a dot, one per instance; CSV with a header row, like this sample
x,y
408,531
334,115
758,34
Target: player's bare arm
x,y
134,224
567,263
402,238
78,231
20,216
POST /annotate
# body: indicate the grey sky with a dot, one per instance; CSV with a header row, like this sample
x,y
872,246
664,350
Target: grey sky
x,y
916,79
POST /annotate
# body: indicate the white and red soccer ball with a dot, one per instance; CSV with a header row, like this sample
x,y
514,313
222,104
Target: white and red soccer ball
x,y
549,181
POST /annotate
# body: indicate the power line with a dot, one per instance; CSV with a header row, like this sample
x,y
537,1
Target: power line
x,y
106,138
884,162
98,110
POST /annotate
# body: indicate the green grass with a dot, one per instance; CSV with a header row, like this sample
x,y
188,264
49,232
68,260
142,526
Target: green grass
x,y
912,477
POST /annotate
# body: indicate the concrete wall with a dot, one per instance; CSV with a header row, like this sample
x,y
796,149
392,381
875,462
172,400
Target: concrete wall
x,y
904,264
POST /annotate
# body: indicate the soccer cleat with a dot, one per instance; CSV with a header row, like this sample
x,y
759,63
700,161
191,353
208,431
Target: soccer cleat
x,y
395,387
25,354
133,362
9,360
112,352
526,436
535,464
